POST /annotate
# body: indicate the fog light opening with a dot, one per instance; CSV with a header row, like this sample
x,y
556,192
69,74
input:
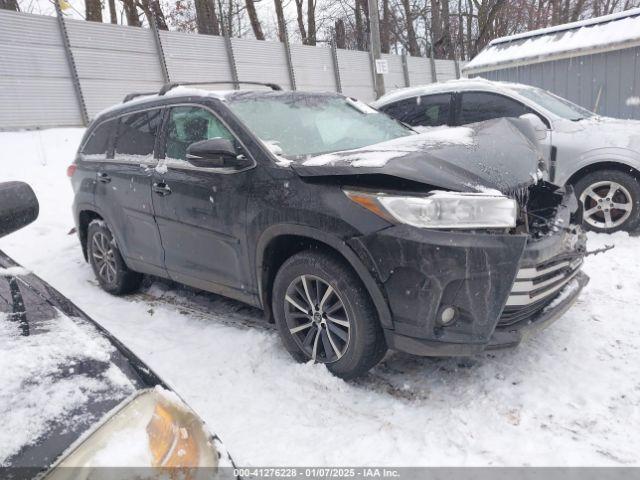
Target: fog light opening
x,y
447,316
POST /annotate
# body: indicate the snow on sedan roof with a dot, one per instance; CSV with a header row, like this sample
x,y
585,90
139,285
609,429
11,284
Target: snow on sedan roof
x,y
620,30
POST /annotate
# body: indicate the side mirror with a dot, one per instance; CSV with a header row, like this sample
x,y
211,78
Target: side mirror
x,y
215,153
18,206
538,125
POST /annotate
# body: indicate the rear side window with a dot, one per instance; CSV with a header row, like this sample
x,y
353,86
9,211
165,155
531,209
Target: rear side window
x,y
425,111
97,145
481,106
137,133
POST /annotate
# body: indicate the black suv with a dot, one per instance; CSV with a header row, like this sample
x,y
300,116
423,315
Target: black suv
x,y
354,233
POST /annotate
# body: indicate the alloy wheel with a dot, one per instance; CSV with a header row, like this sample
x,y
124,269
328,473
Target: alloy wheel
x,y
606,204
104,258
317,319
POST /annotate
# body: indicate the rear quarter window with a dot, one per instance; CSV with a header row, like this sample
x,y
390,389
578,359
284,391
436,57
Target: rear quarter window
x,y
97,143
424,111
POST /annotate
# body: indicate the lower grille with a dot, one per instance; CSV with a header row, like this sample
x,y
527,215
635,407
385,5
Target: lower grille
x,y
535,287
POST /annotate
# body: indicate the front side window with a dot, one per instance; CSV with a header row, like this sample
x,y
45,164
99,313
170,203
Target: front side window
x,y
481,106
137,134
97,144
303,124
189,125
425,111
558,105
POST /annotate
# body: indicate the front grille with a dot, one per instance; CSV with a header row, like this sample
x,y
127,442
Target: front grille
x,y
536,286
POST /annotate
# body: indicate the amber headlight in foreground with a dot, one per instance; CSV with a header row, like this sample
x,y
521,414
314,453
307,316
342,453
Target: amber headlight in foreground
x,y
155,430
439,209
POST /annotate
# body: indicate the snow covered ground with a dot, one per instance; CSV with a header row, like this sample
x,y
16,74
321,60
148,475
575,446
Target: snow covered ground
x,y
569,396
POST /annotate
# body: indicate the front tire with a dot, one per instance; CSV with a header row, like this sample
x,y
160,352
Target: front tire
x,y
609,200
112,273
324,313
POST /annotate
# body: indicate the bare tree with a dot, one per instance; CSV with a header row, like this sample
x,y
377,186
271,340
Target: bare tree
x,y
206,17
131,12
93,10
113,15
282,30
253,18
10,5
152,10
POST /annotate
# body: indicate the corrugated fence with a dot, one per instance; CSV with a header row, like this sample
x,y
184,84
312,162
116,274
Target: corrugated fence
x,y
37,83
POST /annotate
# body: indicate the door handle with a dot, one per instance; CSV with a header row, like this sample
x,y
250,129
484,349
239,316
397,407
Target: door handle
x,y
103,177
162,189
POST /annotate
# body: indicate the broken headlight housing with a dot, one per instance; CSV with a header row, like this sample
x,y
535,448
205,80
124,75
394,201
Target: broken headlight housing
x,y
155,434
440,209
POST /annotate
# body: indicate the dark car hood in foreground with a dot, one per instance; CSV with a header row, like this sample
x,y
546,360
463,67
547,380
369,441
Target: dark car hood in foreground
x,y
496,154
62,372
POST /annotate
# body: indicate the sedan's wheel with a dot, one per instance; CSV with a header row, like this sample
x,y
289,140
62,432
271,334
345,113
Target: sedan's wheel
x,y
324,314
317,319
608,201
112,273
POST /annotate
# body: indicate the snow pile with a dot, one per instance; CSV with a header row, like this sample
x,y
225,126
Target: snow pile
x,y
568,396
578,36
633,102
379,154
38,385
13,272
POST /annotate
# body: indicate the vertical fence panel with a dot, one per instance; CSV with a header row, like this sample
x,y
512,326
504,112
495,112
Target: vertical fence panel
x,y
395,78
193,58
36,88
117,60
445,70
356,74
313,67
260,61
419,70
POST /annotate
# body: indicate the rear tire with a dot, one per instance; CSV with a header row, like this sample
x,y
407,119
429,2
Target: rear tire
x,y
609,200
112,273
324,313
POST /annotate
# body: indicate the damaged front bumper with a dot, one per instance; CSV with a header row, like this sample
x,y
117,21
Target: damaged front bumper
x,y
503,287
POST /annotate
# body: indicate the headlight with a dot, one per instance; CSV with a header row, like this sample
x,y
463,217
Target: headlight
x,y
154,433
440,209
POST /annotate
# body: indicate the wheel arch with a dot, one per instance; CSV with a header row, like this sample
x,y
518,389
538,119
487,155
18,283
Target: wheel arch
x,y
279,242
621,166
85,217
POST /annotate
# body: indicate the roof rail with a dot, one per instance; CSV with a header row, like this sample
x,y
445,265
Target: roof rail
x,y
131,96
168,86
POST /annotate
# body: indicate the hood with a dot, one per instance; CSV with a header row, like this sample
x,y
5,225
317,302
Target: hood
x,y
492,155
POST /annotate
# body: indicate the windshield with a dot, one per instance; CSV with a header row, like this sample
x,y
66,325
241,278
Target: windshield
x,y
301,125
558,105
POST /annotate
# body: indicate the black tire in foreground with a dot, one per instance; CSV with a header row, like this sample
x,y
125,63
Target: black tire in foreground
x,y
609,201
324,313
107,263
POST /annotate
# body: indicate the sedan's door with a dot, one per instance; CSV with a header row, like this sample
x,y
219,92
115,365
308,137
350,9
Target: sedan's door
x,y
201,212
123,190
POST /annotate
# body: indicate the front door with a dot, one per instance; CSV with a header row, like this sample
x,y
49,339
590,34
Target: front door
x,y
123,190
201,212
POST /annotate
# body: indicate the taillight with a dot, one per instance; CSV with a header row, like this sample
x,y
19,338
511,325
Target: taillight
x,y
71,169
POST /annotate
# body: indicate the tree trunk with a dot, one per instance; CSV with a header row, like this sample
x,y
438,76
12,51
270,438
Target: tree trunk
x,y
152,10
412,42
131,12
10,5
282,31
93,10
311,22
385,28
206,17
300,18
341,34
112,12
253,18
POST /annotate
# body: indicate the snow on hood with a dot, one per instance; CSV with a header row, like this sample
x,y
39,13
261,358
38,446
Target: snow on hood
x,y
49,377
487,156
603,132
379,154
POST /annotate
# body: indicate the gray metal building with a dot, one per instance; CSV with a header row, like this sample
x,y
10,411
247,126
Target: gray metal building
x,y
594,63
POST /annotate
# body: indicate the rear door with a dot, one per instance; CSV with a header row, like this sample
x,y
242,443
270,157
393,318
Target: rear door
x,y
123,190
201,212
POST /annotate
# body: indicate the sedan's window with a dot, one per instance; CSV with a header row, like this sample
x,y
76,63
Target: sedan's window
x,y
137,133
97,145
300,124
189,125
480,106
558,105
425,111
